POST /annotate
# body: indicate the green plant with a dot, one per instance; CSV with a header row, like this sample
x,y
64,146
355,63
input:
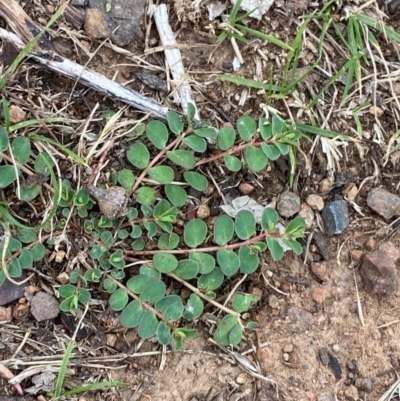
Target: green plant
x,y
117,243
136,249
87,387
233,29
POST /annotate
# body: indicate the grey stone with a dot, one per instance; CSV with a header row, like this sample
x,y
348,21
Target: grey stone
x,y
10,292
44,307
119,18
288,204
335,217
298,319
384,203
364,384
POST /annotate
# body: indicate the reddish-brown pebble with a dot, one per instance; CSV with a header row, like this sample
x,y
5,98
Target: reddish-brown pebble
x,y
319,295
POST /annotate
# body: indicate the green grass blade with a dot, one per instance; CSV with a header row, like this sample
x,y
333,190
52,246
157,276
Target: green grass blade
x,y
234,11
74,156
93,386
390,33
251,83
311,129
30,123
263,36
295,52
334,79
63,369
27,49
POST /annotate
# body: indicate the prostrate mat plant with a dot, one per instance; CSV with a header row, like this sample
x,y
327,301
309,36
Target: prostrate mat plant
x,y
138,234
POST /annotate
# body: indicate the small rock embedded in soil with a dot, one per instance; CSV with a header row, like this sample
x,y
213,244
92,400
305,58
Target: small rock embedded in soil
x,y
320,270
298,319
315,202
324,356
379,270
288,204
322,243
384,203
319,295
337,370
364,384
335,217
307,214
352,393
44,307
10,292
121,21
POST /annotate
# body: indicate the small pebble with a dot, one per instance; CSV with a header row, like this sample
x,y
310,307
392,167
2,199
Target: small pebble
x,y
241,379
324,356
246,188
307,214
319,295
335,348
335,217
288,204
325,186
203,211
273,301
288,348
315,202
285,356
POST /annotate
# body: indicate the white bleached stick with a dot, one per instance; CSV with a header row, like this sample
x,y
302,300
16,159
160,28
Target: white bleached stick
x,y
91,79
173,57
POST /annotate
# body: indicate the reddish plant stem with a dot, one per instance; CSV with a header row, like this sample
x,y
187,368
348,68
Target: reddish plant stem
x,y
101,161
134,296
157,158
204,296
137,221
208,249
235,149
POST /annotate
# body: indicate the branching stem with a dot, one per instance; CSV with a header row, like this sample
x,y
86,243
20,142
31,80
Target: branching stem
x,y
251,241
204,296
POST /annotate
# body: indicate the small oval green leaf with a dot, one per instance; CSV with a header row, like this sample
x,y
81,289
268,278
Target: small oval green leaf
x,y
163,334
196,180
223,230
232,163
148,325
132,314
247,127
7,176
118,299
175,122
275,248
187,269
211,281
157,132
245,224
165,262
175,194
195,233
228,261
256,159
182,158
21,147
226,138
205,261
196,143
138,155
162,174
